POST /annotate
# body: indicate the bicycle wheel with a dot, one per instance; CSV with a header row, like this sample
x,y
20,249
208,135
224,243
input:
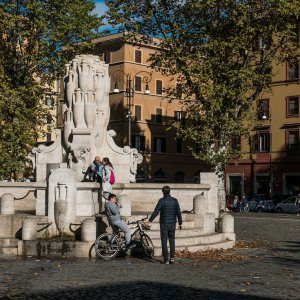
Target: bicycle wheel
x,y
246,208
107,245
147,245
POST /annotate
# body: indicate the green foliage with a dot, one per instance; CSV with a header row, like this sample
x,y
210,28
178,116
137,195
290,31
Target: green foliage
x,y
37,38
212,48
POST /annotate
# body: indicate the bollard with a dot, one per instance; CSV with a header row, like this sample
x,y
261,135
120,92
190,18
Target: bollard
x,y
7,204
29,229
227,223
200,204
88,230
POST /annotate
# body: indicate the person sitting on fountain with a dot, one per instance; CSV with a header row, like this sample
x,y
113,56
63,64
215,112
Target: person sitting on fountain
x,y
96,170
106,177
112,209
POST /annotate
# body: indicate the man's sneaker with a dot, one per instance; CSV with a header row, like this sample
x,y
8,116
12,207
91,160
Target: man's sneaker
x,y
172,260
165,262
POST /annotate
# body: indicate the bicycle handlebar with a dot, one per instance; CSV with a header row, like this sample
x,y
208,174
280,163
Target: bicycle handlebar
x,y
137,221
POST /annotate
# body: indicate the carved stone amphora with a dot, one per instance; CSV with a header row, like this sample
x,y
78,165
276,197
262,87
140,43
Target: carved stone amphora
x,y
84,75
68,126
61,207
70,87
99,88
78,109
89,108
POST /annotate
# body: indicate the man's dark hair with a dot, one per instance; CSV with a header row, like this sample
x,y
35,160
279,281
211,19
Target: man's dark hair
x,y
111,196
166,190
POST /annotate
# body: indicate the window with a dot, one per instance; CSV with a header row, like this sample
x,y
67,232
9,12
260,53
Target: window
x,y
106,57
137,113
158,116
140,175
48,137
262,141
263,184
158,87
49,100
160,176
158,63
178,90
262,43
138,83
178,146
263,109
159,145
138,56
179,177
292,70
178,115
49,122
292,140
138,142
236,143
292,106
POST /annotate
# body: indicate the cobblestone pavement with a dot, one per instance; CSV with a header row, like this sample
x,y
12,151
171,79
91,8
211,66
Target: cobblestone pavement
x,y
271,272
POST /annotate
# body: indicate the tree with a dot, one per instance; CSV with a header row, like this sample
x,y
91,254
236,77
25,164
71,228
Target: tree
x,y
37,38
222,52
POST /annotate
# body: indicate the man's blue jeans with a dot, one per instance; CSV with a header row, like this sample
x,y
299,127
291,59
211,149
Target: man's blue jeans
x,y
167,232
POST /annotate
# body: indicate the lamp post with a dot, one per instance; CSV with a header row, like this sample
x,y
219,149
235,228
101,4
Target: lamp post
x,y
130,89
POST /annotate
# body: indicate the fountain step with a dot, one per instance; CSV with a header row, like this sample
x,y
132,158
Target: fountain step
x,y
223,244
182,241
184,233
8,242
8,250
155,226
141,215
9,246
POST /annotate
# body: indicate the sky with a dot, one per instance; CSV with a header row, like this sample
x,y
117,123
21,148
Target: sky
x,y
100,9
100,6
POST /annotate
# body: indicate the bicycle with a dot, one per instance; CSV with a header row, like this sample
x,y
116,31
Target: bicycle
x,y
244,207
109,245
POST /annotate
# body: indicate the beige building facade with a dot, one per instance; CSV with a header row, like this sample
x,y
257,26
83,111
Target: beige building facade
x,y
271,162
139,118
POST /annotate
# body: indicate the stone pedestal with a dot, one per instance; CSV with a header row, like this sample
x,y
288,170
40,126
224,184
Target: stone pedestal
x,y
88,230
29,229
227,224
200,204
125,202
7,204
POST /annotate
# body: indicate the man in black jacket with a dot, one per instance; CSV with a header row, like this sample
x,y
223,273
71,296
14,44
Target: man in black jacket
x,y
169,210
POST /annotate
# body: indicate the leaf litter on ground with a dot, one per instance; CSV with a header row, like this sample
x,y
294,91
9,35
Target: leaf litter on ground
x,y
220,255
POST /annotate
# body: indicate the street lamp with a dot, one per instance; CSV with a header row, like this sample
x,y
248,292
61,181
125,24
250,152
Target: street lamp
x,y
130,86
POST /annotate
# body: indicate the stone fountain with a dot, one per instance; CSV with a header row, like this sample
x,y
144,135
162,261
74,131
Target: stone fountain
x,y
62,204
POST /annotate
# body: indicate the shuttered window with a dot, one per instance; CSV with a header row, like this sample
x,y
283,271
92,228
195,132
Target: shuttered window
x,y
138,56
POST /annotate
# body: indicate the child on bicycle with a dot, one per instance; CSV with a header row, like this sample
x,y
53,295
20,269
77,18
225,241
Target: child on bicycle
x,y
112,209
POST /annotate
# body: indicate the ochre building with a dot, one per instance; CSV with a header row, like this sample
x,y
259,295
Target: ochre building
x,y
140,109
271,161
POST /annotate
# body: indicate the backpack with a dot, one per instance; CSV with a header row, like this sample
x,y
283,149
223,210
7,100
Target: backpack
x,y
112,178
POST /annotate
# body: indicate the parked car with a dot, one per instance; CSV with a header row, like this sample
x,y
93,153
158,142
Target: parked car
x,y
280,198
265,206
287,206
260,203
